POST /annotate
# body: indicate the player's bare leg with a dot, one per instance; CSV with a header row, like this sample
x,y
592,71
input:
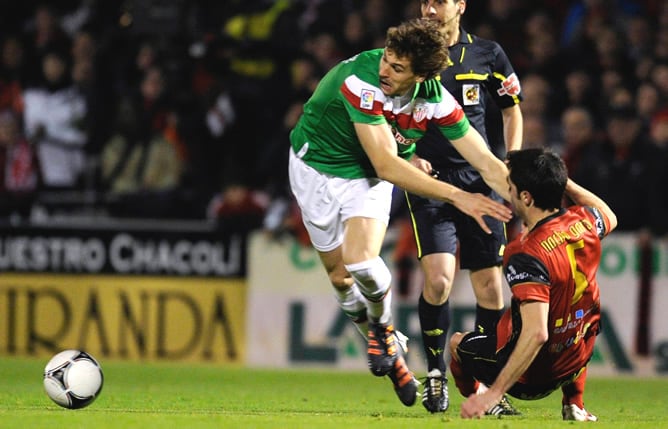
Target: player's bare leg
x,y
356,264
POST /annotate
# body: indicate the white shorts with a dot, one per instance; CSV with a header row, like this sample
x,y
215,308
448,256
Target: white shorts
x,y
327,201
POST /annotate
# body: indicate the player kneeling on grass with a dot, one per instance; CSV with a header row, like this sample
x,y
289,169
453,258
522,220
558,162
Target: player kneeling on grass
x,y
545,340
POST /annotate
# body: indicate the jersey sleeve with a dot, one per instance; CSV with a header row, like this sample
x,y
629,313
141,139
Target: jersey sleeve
x,y
363,101
449,116
601,222
528,278
504,85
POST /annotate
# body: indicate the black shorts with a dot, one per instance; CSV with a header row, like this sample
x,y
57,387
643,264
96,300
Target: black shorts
x,y
438,226
480,360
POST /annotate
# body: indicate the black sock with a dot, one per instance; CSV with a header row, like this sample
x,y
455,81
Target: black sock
x,y
486,320
435,323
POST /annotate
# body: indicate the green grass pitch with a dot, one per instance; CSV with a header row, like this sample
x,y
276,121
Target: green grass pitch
x,y
206,396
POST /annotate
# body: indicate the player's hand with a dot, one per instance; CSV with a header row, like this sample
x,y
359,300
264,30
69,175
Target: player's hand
x,y
478,205
475,405
421,164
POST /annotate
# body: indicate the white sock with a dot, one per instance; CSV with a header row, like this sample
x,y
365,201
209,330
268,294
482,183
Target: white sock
x,y
353,303
373,278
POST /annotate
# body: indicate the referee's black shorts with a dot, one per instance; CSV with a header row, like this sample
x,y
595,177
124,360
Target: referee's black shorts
x,y
439,226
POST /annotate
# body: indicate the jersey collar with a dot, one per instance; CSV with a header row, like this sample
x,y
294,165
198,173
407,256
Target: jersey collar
x,y
464,37
558,213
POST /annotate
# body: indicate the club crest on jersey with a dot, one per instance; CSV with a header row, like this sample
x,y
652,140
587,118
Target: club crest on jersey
x,y
366,99
420,112
510,86
471,94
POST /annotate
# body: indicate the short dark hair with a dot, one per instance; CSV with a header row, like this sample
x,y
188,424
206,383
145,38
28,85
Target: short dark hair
x,y
420,41
542,173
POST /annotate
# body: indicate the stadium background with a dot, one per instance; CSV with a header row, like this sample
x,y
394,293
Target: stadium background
x,y
207,262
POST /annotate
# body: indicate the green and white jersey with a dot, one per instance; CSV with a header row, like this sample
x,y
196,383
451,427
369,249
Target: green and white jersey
x,y
350,93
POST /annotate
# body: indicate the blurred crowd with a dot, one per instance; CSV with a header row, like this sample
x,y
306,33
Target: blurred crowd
x,y
182,109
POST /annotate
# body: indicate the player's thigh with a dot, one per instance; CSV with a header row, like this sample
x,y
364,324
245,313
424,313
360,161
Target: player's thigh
x,y
477,249
320,209
362,239
433,226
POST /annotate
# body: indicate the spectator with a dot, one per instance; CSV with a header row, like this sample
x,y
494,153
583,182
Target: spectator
x,y
534,132
356,37
18,169
579,137
12,74
538,99
55,121
621,169
659,77
240,206
544,57
581,89
43,35
639,37
647,101
142,165
658,130
605,45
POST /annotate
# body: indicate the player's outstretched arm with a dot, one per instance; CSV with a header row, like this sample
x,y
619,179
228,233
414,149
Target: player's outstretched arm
x,y
475,151
512,127
584,197
380,147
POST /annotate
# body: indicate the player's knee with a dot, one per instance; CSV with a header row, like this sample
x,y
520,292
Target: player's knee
x,y
437,288
455,340
372,276
340,279
489,292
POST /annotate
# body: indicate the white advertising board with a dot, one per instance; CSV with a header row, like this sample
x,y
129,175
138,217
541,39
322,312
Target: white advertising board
x,y
293,318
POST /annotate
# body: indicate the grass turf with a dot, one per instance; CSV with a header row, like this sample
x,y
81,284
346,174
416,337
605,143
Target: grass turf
x,y
200,396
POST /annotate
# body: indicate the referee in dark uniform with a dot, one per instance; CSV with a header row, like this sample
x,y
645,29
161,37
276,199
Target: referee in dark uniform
x,y
479,74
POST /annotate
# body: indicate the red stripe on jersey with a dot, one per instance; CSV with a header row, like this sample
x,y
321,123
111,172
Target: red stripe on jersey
x,y
356,101
455,116
406,122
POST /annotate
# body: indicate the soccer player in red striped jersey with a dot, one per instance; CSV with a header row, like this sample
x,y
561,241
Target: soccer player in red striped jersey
x,y
350,147
545,340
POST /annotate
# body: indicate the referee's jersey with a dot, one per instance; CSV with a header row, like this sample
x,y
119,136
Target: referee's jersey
x,y
479,73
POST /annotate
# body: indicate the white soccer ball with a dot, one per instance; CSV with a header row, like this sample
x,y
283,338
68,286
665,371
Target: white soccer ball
x,y
73,379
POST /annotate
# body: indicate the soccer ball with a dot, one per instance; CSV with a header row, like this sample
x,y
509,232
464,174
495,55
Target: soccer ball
x,y
73,379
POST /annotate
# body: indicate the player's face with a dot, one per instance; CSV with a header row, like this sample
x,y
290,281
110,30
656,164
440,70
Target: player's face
x,y
396,75
446,12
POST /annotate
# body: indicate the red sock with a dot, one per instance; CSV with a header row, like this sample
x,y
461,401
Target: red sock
x,y
466,385
574,392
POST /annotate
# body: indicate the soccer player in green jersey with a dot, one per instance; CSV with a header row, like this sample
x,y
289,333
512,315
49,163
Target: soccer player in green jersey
x,y
352,144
